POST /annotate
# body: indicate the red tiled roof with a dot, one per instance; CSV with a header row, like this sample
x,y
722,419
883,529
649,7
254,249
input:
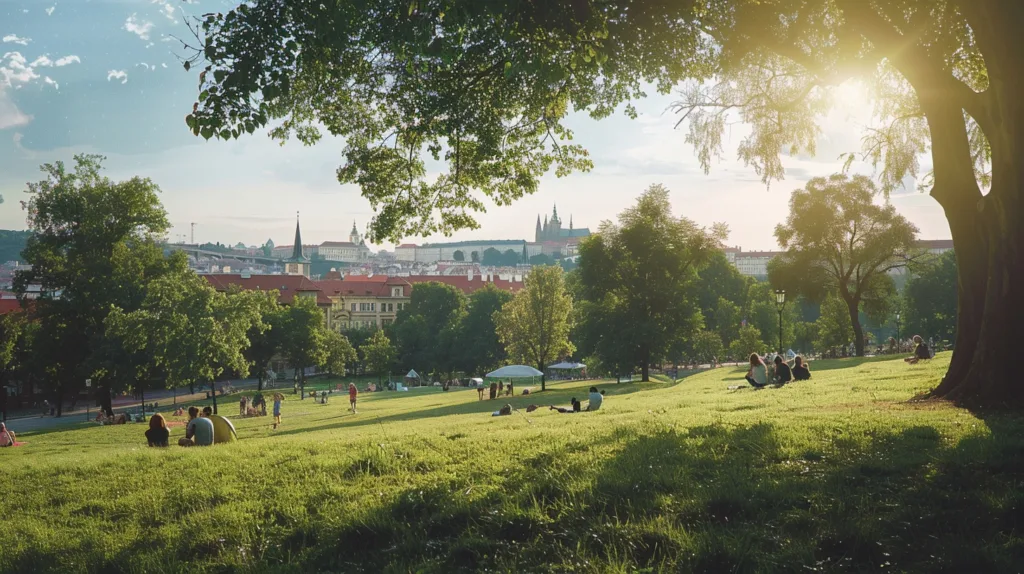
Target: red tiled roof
x,y
286,285
338,244
371,288
367,278
9,306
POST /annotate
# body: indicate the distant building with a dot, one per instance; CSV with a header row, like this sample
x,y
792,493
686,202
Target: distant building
x,y
352,251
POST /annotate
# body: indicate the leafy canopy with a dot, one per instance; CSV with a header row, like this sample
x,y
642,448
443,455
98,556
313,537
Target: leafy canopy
x,y
534,326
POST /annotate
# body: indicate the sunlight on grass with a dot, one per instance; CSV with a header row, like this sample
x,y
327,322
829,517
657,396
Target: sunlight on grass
x,y
836,472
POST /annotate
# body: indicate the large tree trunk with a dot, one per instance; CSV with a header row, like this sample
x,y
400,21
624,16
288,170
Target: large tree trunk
x,y
853,306
987,232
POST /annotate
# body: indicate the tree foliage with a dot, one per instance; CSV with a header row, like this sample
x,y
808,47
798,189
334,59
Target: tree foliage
x,y
636,277
929,299
833,327
93,248
304,336
748,341
339,353
479,346
427,329
534,325
193,333
838,240
378,354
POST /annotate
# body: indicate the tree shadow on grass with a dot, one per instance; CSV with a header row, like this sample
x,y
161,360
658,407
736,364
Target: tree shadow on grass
x,y
708,499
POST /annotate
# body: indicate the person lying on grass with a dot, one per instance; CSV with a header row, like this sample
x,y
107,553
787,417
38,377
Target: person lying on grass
x,y
757,376
7,437
920,351
575,408
157,434
783,374
503,412
199,431
801,370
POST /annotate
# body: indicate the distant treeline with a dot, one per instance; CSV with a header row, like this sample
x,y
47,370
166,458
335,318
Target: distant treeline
x,y
11,244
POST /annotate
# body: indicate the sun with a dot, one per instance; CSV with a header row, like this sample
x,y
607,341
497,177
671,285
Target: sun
x,y
853,98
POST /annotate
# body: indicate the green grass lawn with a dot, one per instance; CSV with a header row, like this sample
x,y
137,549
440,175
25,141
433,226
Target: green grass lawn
x,y
835,474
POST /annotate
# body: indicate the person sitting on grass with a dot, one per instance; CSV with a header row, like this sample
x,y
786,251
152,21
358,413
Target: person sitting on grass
x,y
920,351
757,376
576,407
504,411
7,437
199,431
801,372
595,399
783,374
157,434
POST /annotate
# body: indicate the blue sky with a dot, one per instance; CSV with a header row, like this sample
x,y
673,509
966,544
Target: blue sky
x,y
105,76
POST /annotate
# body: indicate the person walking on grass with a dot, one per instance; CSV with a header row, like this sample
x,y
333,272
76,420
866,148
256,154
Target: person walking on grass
x,y
757,376
352,392
278,397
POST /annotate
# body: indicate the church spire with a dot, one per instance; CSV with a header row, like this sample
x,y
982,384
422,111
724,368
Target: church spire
x,y
554,213
537,234
297,247
570,222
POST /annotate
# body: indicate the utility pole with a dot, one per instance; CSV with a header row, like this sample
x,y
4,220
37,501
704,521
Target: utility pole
x,y
193,241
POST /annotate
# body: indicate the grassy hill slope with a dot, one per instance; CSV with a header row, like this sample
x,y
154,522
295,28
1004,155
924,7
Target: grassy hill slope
x,y
835,474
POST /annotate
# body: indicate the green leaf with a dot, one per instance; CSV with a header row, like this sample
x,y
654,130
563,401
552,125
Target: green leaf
x,y
206,132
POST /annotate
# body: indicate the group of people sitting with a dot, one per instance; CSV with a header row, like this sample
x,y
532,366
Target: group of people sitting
x,y
252,407
595,400
760,375
203,429
921,351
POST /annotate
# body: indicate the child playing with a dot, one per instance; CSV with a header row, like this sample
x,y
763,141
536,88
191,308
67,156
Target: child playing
x,y
278,397
352,396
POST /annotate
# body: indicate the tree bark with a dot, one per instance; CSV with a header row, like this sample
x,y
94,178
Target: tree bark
x,y
853,306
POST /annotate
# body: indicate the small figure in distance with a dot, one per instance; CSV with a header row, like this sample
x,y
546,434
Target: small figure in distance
x,y
157,434
920,351
480,390
595,399
503,411
783,374
352,396
199,431
7,437
576,407
757,376
801,371
278,397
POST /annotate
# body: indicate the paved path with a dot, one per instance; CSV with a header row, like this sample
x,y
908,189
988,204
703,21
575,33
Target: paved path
x,y
83,414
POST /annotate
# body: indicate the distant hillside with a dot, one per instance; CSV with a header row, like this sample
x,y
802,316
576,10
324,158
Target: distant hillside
x,y
11,244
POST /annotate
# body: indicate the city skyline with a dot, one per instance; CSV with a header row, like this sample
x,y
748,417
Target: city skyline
x,y
120,91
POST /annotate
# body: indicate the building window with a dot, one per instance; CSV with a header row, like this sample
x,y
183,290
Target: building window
x,y
353,306
373,306
396,291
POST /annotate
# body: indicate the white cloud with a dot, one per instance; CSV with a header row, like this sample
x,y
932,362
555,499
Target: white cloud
x,y
67,60
118,75
43,61
15,39
49,11
138,27
163,65
15,69
149,67
167,9
50,82
10,115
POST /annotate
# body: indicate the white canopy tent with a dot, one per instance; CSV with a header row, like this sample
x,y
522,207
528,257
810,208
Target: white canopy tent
x,y
412,374
515,372
564,366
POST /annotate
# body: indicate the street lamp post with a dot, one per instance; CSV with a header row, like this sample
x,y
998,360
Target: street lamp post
x,y
780,304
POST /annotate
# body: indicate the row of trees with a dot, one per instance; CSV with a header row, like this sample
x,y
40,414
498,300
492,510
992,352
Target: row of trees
x,y
114,309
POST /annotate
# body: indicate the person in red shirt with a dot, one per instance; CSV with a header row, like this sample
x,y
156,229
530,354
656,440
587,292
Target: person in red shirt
x,y
352,396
